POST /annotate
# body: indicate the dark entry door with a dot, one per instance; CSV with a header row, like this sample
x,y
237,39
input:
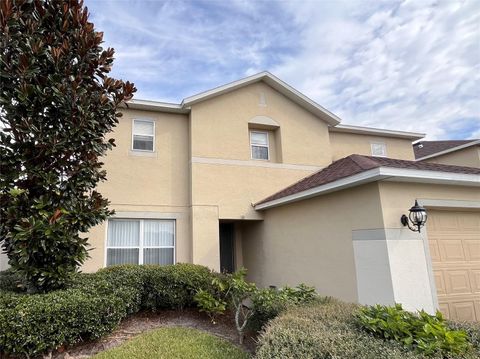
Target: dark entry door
x,y
227,245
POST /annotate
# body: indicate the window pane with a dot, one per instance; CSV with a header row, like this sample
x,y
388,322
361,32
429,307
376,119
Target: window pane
x,y
158,256
122,256
158,233
143,143
260,153
143,128
123,233
379,149
259,138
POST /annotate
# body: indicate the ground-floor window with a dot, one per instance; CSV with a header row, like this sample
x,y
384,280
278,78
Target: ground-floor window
x,y
140,241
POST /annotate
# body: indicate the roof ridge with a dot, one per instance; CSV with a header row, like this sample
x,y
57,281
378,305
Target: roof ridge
x,y
364,162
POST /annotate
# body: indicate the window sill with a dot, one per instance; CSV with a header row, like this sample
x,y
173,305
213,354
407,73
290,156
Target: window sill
x,y
140,153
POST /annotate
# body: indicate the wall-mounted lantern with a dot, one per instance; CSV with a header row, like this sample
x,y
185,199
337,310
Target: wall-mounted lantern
x,y
417,218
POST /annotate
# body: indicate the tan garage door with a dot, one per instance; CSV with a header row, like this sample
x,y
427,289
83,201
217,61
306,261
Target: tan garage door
x,y
455,250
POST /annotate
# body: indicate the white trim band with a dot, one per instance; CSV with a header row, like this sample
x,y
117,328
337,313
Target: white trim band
x,y
376,131
253,163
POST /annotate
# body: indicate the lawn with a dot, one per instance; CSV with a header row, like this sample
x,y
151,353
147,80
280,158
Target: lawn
x,y
175,343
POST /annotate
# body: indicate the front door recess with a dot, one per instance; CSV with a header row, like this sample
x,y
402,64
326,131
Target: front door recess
x,y
227,245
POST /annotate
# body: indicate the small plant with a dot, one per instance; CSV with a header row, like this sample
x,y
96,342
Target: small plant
x,y
428,334
209,304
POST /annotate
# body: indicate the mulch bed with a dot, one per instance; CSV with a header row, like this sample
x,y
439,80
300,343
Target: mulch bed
x,y
144,321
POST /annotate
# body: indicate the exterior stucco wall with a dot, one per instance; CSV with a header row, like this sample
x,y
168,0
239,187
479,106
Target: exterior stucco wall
x,y
311,241
147,185
345,144
409,255
220,127
222,171
469,157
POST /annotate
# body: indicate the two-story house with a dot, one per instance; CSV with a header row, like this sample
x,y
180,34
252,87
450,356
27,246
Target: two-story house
x,y
256,174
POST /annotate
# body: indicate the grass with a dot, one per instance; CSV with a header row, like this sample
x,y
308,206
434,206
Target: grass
x,y
175,343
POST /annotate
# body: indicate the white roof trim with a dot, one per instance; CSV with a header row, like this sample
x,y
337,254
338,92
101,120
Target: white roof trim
x,y
156,106
378,174
377,131
453,149
448,203
275,83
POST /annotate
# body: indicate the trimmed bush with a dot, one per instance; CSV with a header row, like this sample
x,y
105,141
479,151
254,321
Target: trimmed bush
x,y
32,324
268,303
329,330
175,286
93,304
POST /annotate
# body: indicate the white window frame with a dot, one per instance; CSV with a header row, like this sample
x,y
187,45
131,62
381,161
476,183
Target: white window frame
x,y
133,133
384,146
257,145
140,242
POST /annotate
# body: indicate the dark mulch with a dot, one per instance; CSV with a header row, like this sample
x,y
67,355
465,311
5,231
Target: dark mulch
x,y
144,321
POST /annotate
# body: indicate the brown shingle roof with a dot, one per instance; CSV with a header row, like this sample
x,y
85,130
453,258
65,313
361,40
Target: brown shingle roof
x,y
427,148
354,164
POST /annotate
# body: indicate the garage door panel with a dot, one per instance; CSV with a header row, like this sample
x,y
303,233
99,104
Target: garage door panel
x,y
463,310
472,249
470,222
443,222
475,280
434,251
451,250
440,282
457,282
454,239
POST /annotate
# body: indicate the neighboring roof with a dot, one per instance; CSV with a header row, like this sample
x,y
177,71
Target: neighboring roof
x,y
377,131
357,169
282,87
429,149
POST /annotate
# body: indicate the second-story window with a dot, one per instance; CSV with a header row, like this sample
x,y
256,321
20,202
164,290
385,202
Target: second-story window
x,y
143,137
379,149
259,145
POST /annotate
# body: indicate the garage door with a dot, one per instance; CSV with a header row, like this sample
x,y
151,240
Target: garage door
x,y
455,250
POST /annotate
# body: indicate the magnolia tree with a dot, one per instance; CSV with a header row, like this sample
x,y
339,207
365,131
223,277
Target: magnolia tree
x,y
57,105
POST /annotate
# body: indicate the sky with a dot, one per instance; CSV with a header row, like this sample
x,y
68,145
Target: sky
x,y
402,65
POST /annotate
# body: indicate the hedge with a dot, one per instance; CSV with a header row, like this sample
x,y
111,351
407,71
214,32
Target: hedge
x,y
329,330
92,305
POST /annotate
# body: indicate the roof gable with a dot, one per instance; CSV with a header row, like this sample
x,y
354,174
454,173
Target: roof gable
x,y
274,82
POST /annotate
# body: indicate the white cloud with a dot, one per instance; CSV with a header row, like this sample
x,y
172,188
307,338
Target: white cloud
x,y
411,65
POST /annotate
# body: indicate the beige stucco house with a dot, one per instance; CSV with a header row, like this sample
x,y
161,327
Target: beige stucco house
x,y
255,174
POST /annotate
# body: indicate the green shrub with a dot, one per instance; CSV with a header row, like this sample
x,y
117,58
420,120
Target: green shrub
x,y
175,286
426,333
473,333
269,303
32,324
323,330
93,304
328,329
10,281
210,304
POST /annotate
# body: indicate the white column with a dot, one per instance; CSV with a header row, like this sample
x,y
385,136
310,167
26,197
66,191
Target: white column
x,y
392,266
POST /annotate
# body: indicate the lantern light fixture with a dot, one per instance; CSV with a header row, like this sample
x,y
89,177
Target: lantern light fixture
x,y
416,218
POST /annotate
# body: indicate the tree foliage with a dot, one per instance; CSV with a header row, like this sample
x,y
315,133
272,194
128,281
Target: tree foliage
x,y
57,104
